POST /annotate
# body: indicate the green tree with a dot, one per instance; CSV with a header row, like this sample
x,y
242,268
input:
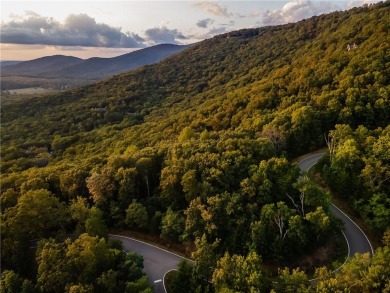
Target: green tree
x,y
292,281
72,182
272,179
36,215
191,186
79,288
54,270
182,279
186,134
196,215
8,199
126,178
88,257
33,184
205,257
95,225
88,264
136,215
239,273
80,212
172,225
10,282
320,222
345,167
311,196
141,285
108,281
131,265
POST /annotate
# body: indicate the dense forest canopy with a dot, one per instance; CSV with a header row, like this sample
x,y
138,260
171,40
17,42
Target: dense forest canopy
x,y
196,149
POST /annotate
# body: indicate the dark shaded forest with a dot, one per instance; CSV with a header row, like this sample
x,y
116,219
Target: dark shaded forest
x,y
198,149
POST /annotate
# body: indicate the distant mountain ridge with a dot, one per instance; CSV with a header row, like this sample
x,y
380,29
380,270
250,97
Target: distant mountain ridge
x,y
7,63
40,67
96,68
59,66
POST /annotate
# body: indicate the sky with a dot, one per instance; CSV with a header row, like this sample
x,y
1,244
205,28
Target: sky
x,y
32,29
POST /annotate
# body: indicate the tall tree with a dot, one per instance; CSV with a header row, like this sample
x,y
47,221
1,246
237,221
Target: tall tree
x,y
136,215
239,273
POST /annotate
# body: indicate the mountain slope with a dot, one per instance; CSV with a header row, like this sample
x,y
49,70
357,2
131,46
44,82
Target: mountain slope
x,y
294,70
7,63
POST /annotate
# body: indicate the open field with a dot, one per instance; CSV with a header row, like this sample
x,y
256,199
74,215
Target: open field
x,y
11,83
31,91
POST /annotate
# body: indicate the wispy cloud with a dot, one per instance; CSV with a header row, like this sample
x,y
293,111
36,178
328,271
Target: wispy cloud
x,y
255,14
204,23
212,8
296,10
230,23
76,30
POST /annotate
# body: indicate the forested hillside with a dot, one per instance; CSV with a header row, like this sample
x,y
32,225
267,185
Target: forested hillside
x,y
197,149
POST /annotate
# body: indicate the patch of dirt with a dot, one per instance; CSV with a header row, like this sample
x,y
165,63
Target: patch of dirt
x,y
321,256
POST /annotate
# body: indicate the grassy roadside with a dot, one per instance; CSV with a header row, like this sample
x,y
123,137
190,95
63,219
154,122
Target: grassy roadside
x,y
168,278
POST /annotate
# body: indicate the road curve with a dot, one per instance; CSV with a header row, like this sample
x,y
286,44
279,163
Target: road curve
x,y
157,261
356,239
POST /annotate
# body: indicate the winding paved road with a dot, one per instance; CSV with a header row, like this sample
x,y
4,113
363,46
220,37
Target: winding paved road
x,y
356,239
158,261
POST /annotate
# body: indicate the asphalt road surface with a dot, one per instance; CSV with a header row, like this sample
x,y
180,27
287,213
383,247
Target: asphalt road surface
x,y
157,261
356,239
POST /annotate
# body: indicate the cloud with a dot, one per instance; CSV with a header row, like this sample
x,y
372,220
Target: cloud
x,y
297,10
162,34
213,8
230,23
76,30
255,14
31,13
204,22
238,15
